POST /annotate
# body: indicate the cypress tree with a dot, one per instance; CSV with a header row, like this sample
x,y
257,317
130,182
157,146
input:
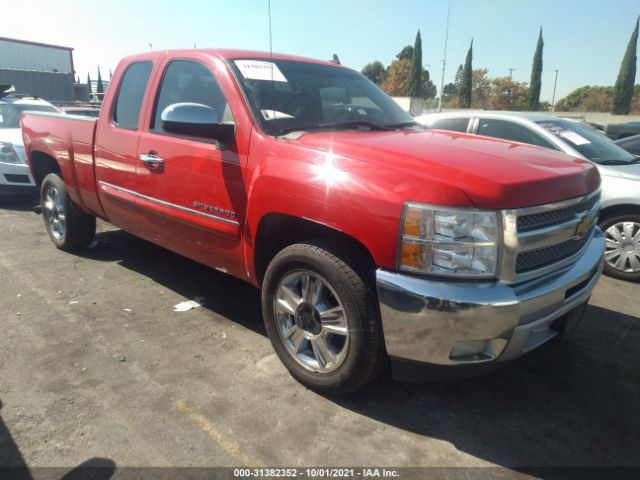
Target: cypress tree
x,y
533,98
99,86
623,89
414,85
466,83
89,84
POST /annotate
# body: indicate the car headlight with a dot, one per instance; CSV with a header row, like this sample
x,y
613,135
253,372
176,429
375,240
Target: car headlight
x,y
447,241
8,154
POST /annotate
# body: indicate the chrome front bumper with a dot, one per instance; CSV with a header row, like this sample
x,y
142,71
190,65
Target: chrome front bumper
x,y
448,323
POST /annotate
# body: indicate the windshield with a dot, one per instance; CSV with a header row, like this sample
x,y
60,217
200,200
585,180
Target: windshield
x,y
593,145
10,113
287,96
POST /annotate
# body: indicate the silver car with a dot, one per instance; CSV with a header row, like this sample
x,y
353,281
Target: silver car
x,y
620,170
15,178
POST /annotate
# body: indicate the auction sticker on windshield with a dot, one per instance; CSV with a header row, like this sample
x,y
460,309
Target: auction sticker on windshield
x,y
260,70
574,137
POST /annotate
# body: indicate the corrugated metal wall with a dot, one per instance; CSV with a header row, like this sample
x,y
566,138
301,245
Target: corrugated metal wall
x,y
50,86
25,56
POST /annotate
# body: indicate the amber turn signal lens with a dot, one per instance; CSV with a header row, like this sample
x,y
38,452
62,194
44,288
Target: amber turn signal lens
x,y
413,222
410,254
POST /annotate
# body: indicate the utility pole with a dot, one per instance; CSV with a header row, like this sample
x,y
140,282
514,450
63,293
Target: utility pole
x,y
444,57
553,99
511,73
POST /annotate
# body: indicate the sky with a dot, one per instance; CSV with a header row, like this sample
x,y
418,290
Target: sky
x,y
583,39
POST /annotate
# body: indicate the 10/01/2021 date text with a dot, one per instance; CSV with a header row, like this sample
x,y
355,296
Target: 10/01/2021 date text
x,y
315,473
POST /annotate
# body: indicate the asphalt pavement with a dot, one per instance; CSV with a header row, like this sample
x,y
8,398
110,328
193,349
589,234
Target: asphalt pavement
x,y
97,369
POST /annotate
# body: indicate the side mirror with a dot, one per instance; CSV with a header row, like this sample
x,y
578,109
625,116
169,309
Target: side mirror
x,y
196,120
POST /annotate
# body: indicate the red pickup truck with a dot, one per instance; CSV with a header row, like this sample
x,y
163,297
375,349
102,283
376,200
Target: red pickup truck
x,y
370,238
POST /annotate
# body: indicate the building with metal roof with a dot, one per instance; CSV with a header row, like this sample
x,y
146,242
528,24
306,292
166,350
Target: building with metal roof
x,y
38,69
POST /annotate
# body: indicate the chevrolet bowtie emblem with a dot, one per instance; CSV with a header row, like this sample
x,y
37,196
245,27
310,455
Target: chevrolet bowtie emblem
x,y
583,227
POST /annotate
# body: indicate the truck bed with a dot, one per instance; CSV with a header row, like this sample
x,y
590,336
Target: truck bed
x,y
68,138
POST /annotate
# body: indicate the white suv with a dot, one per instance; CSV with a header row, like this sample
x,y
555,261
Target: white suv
x,y
15,178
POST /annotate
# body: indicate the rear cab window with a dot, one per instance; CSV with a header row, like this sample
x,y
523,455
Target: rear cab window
x,y
131,94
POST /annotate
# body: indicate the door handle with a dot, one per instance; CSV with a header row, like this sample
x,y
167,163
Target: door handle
x,y
151,160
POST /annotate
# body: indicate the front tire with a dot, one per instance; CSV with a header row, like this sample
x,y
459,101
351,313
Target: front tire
x,y
321,317
69,228
622,250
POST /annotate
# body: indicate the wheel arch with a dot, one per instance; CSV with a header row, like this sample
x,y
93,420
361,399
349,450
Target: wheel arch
x,y
277,231
621,209
43,164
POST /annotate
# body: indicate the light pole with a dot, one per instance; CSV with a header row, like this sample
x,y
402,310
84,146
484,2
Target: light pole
x,y
553,99
150,46
510,86
444,57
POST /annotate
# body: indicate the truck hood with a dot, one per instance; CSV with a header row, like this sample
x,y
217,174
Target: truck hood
x,y
494,174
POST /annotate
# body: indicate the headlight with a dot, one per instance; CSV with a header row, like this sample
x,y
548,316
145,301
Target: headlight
x,y
450,242
8,153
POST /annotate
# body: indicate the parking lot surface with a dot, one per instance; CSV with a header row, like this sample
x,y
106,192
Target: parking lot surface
x,y
95,366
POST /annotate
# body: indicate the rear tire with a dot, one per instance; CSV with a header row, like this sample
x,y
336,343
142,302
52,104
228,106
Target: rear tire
x,y
69,228
622,251
321,317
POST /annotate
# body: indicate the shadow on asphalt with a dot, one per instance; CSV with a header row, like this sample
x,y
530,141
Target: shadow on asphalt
x,y
225,295
21,203
13,465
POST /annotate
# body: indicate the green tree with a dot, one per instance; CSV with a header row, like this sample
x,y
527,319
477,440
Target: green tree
x,y
89,84
395,82
429,89
99,86
414,85
623,89
533,99
458,79
481,88
375,72
586,99
335,59
466,83
507,94
406,53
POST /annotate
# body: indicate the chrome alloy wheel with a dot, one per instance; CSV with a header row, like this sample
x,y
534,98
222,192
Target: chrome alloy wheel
x,y
53,210
311,321
622,251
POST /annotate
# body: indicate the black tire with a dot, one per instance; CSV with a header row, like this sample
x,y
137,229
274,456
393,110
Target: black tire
x,y
346,274
78,229
605,225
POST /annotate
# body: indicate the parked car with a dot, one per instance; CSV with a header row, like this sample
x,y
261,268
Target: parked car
x,y
620,171
15,178
368,236
616,131
630,144
84,111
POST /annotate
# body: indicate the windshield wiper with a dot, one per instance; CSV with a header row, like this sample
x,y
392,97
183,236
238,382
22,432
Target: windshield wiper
x,y
618,162
404,124
330,126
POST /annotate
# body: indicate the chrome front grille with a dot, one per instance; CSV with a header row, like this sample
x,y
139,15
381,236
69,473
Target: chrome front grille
x,y
545,256
540,239
534,221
